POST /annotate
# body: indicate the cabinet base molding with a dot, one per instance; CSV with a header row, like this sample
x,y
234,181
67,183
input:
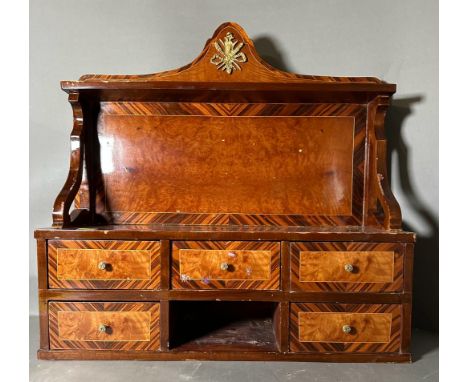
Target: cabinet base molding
x,y
222,356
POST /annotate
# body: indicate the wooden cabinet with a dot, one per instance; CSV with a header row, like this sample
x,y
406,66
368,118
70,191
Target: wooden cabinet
x,y
226,210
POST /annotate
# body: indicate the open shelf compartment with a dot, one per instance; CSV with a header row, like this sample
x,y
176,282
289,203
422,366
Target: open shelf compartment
x,y
223,325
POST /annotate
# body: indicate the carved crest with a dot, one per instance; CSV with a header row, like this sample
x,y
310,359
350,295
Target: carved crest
x,y
229,55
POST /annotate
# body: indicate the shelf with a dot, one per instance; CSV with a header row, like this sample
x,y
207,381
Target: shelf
x,y
222,326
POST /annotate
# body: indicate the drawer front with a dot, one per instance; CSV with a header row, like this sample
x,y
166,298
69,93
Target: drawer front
x,y
104,326
347,267
101,264
225,265
345,328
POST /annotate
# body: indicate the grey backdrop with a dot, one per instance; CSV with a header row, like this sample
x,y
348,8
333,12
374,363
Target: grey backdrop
x,y
394,40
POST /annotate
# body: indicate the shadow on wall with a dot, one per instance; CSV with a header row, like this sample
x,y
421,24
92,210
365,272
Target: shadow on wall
x,y
426,250
267,49
426,266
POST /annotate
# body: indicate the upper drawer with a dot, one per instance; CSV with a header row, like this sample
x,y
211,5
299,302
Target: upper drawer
x,y
225,264
347,267
102,264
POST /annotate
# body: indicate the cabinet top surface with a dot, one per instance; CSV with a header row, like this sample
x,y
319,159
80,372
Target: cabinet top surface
x,y
228,232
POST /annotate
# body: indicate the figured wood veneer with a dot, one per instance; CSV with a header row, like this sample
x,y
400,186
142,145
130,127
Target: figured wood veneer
x,y
318,327
241,264
328,327
128,264
83,264
329,266
206,164
251,265
122,326
130,326
320,266
207,175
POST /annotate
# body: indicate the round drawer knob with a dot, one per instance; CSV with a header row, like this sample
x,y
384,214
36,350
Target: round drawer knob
x,y
103,328
347,329
224,266
349,268
102,266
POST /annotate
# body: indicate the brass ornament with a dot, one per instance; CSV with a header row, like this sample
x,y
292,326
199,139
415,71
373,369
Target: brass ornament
x,y
229,55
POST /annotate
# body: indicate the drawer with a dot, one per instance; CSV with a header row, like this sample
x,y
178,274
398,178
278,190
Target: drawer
x,y
103,264
104,326
225,265
347,267
367,328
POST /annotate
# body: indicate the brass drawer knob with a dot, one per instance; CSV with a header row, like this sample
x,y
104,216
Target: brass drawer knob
x,y
347,329
224,266
103,328
102,266
349,268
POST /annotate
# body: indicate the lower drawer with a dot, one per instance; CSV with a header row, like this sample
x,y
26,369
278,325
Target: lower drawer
x,y
104,325
369,328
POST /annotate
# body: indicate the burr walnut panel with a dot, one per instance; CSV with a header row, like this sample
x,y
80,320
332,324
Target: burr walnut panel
x,y
347,267
104,264
225,265
230,265
104,326
345,328
214,164
117,326
97,264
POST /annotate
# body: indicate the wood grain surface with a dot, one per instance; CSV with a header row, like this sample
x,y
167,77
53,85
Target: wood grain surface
x,y
329,266
129,326
318,328
83,264
328,327
251,265
241,264
377,267
128,264
206,174
216,164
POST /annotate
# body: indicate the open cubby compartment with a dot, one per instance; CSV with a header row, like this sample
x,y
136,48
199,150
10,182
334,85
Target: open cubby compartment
x,y
224,325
